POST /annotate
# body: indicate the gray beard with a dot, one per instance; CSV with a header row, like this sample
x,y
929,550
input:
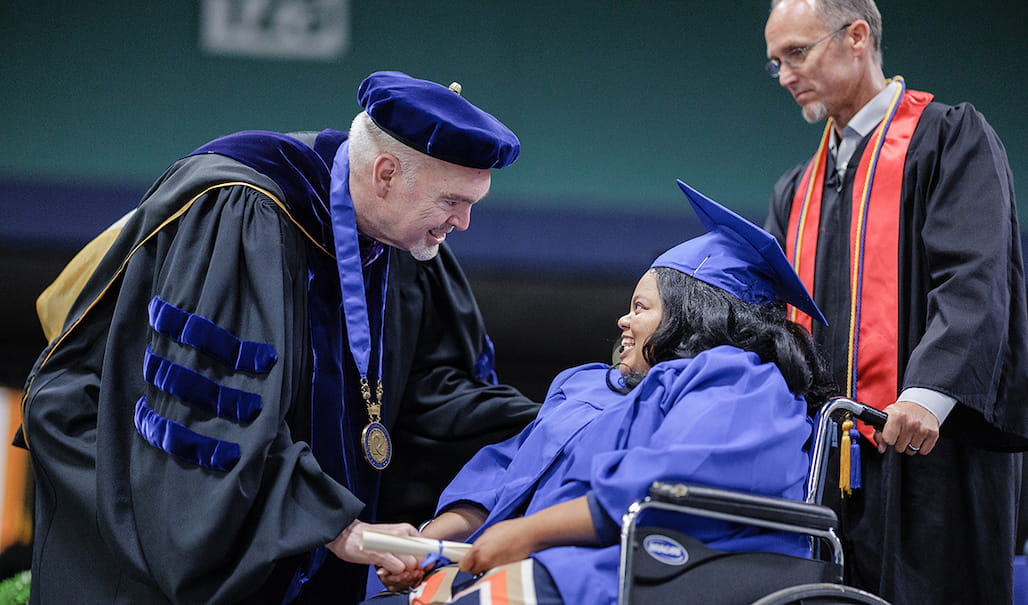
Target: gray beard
x,y
422,252
815,112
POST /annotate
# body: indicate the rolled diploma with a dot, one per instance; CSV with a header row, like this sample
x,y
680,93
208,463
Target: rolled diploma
x,y
411,545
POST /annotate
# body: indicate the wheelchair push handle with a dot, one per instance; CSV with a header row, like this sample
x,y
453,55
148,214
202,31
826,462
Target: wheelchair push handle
x,y
860,411
830,413
873,417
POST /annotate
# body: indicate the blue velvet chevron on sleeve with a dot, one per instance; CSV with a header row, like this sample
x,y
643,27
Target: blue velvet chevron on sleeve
x,y
183,443
197,390
212,339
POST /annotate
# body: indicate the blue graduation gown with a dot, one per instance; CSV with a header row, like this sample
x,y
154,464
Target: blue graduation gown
x,y
720,419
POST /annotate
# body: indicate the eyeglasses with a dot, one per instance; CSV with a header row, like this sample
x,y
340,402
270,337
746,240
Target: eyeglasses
x,y
796,56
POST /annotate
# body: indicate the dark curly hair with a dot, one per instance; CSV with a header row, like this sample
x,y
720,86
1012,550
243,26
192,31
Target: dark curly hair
x,y
699,316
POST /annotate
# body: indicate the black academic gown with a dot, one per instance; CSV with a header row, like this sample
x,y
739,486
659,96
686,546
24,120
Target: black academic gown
x,y
938,528
122,519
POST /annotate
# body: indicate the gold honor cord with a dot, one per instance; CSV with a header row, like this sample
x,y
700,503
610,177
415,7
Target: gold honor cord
x,y
856,272
804,208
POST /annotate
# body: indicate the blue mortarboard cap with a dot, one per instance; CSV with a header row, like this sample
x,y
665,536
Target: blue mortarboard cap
x,y
738,257
437,120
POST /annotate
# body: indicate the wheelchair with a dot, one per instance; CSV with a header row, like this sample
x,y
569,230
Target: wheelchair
x,y
660,566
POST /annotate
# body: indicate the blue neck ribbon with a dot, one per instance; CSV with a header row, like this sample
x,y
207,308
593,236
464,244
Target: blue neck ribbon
x,y
351,280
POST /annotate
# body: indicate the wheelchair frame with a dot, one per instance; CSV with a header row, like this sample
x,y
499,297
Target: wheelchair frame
x,y
809,517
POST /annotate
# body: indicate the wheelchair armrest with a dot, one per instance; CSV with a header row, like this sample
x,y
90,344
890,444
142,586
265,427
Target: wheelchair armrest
x,y
766,508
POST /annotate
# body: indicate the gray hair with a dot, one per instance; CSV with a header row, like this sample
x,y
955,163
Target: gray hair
x,y
836,13
368,140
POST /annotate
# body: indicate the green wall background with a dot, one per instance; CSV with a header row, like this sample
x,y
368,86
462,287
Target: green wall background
x,y
612,100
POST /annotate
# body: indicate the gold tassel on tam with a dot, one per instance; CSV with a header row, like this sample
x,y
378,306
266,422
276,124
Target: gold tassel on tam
x,y
844,458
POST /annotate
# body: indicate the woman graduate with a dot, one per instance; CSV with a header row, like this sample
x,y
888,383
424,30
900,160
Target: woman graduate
x,y
712,387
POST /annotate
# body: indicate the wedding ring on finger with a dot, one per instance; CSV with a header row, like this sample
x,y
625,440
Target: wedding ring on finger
x,y
913,449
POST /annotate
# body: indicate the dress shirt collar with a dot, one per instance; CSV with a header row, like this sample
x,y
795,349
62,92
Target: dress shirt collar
x,y
862,123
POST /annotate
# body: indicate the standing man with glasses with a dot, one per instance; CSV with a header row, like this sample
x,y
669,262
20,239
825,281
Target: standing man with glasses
x,y
904,226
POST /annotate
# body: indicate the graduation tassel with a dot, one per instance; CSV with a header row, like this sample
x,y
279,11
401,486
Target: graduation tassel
x,y
854,458
845,452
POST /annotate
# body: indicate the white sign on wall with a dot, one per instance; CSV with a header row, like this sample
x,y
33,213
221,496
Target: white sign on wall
x,y
285,29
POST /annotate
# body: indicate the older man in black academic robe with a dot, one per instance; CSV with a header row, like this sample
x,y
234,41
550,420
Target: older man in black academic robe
x,y
195,423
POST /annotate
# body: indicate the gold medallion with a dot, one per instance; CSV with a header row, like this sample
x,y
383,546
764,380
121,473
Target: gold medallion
x,y
378,448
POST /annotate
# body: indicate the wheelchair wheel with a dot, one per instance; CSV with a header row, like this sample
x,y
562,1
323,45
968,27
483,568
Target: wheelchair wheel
x,y
820,594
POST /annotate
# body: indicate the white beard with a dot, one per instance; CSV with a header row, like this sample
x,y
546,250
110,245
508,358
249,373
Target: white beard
x,y
815,112
423,252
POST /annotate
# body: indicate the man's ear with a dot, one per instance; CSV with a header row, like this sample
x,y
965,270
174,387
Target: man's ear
x,y
859,34
385,173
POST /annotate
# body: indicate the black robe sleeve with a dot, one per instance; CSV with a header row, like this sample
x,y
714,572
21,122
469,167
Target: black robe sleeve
x,y
233,260
171,528
965,312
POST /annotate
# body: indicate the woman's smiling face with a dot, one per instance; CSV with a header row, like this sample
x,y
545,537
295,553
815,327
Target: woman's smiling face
x,y
638,325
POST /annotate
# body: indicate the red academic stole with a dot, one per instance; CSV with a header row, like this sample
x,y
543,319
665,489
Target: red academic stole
x,y
873,351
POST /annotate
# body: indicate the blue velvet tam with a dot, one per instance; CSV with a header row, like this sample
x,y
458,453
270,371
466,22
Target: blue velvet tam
x,y
738,257
437,120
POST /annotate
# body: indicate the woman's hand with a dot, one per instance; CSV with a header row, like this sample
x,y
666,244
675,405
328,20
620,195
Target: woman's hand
x,y
562,524
505,542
